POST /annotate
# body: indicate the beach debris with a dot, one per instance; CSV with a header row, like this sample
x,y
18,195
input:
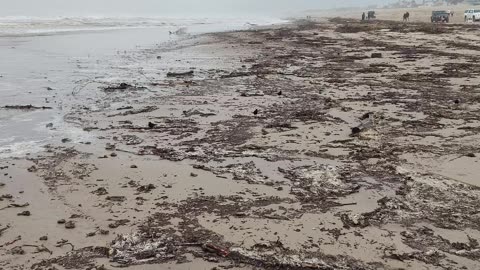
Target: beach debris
x,y
24,213
43,238
18,250
135,111
133,166
318,180
6,196
180,74
18,238
192,112
39,249
151,125
17,205
4,229
277,256
376,55
131,139
257,93
113,154
124,108
118,223
26,107
116,198
472,155
356,130
211,248
61,221
135,248
70,224
110,146
146,188
64,242
122,87
66,140
356,220
49,125
100,191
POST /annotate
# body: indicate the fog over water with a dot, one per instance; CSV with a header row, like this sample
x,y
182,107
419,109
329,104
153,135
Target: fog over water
x,y
168,7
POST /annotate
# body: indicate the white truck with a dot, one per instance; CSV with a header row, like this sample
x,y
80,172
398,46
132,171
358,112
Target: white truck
x,y
472,14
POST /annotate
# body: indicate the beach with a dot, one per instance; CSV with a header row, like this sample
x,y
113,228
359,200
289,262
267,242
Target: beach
x,y
317,144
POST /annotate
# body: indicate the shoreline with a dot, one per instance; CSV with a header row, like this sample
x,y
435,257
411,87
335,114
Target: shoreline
x,y
251,162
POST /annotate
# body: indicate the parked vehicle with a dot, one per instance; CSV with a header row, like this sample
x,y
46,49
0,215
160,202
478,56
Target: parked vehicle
x,y
472,14
440,16
371,15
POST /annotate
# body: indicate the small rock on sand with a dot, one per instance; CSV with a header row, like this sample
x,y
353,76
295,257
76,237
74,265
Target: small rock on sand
x,y
61,221
70,225
24,213
43,238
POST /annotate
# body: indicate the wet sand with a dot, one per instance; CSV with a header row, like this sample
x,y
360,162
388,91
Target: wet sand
x,y
318,145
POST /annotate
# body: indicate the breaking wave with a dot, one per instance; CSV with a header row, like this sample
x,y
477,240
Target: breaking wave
x,y
28,26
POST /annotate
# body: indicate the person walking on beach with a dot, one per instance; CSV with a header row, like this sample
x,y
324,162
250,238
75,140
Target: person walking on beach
x,y
363,16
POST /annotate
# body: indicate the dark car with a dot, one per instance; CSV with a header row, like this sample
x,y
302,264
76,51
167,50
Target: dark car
x,y
440,16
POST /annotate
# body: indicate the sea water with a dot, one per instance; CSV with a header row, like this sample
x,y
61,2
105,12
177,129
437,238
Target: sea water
x,y
41,62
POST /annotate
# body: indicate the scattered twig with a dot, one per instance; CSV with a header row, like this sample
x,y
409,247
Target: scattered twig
x,y
347,204
15,205
40,248
4,229
26,107
11,242
64,242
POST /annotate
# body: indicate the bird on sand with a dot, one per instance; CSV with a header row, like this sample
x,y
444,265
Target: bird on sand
x,y
280,93
255,112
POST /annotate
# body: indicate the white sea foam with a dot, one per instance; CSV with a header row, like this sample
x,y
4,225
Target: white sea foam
x,y
32,26
20,149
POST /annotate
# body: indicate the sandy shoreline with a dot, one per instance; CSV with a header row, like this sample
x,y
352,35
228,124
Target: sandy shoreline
x,y
251,162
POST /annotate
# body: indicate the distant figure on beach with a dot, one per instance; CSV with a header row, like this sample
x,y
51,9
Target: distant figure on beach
x,y
406,16
363,16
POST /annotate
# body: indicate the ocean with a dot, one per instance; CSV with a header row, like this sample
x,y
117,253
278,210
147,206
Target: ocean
x,y
44,59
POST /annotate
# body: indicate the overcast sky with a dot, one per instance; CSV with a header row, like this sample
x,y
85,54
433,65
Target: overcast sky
x,y
166,7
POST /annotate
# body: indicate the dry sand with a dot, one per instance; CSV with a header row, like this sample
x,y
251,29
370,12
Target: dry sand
x,y
252,162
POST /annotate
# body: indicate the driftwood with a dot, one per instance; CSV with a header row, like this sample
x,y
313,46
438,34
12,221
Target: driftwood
x,y
26,107
180,74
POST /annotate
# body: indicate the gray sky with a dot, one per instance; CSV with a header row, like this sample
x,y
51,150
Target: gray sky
x,y
166,7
